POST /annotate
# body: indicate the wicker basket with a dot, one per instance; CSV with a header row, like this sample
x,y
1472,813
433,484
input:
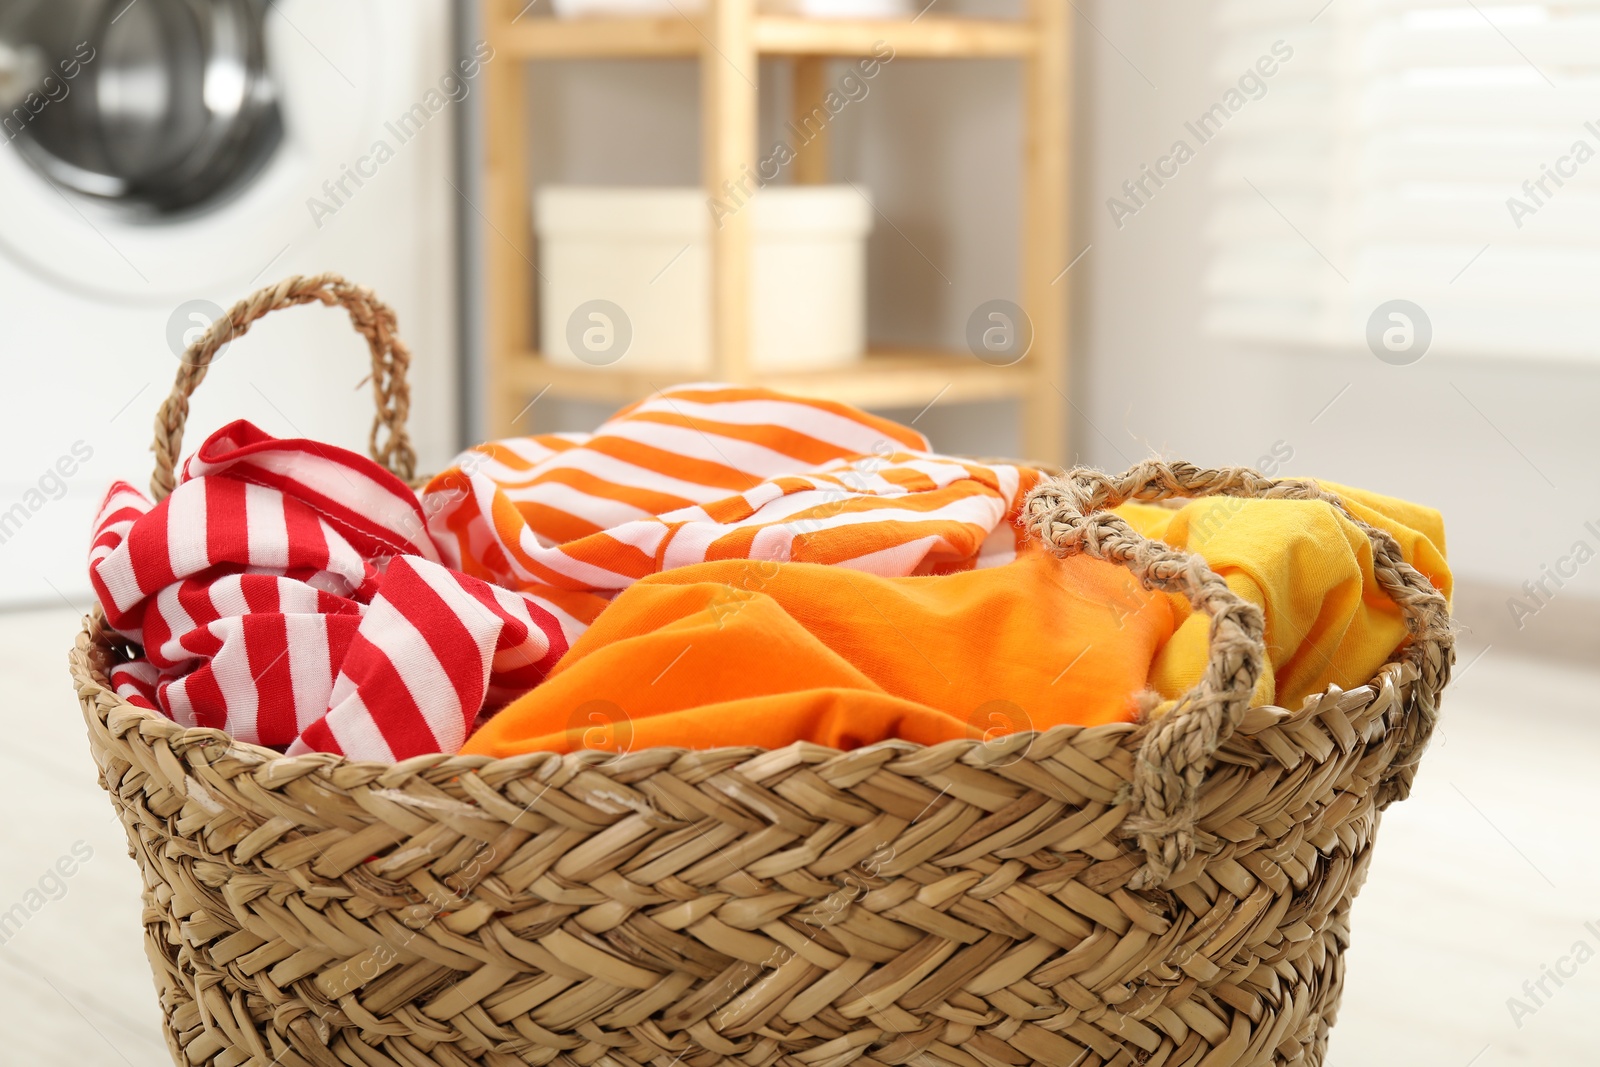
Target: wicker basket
x,y
1172,893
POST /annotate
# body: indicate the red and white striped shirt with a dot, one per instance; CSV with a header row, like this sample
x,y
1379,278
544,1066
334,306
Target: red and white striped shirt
x,y
287,588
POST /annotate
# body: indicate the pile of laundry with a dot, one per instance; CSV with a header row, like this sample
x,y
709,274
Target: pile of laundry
x,y
715,565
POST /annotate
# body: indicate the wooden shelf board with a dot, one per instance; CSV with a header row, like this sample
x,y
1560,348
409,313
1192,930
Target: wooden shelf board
x,y
623,38
929,37
885,378
599,38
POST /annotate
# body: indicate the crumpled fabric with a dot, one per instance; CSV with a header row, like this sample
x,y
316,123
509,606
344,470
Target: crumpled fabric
x,y
287,593
298,596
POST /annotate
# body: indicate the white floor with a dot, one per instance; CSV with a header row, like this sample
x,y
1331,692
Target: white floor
x,y
1487,875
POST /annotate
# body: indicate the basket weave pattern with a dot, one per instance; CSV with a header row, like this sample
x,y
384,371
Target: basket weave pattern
x,y
1172,893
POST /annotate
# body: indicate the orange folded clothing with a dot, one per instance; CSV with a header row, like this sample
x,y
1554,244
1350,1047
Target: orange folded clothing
x,y
761,653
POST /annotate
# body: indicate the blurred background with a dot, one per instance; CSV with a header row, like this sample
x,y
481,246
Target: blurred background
x,y
1354,239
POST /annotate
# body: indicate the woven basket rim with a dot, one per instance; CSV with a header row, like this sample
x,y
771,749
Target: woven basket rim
x,y
96,639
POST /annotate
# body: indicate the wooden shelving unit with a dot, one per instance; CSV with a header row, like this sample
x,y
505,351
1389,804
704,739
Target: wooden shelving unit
x,y
727,41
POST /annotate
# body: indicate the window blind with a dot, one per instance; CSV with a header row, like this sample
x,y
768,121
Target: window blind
x,y
1437,151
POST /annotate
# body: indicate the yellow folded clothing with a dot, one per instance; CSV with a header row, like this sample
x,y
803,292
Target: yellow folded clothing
x,y
1309,568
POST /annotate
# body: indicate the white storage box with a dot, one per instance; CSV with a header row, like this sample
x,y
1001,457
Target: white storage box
x,y
864,9
626,276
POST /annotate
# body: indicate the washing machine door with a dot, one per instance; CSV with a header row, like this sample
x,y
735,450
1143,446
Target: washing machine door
x,y
150,167
172,108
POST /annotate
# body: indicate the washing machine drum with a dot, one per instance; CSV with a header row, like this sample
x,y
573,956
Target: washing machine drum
x,y
160,105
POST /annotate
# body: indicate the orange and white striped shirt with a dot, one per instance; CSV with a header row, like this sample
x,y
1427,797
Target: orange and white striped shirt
x,y
710,472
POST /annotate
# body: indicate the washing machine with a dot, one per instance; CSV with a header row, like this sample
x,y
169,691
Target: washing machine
x,y
161,159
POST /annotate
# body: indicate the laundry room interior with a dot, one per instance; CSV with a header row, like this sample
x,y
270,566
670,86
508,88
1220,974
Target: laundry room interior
x,y
999,242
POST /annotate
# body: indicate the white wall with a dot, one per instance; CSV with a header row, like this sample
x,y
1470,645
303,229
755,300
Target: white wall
x,y
1150,379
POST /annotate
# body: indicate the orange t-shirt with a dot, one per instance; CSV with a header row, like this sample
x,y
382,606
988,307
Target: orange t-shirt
x,y
750,653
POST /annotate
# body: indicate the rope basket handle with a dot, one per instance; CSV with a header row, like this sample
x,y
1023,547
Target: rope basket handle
x,y
371,317
1068,514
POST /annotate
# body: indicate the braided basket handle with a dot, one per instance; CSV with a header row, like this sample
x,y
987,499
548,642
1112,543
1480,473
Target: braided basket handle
x,y
372,318
1068,515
